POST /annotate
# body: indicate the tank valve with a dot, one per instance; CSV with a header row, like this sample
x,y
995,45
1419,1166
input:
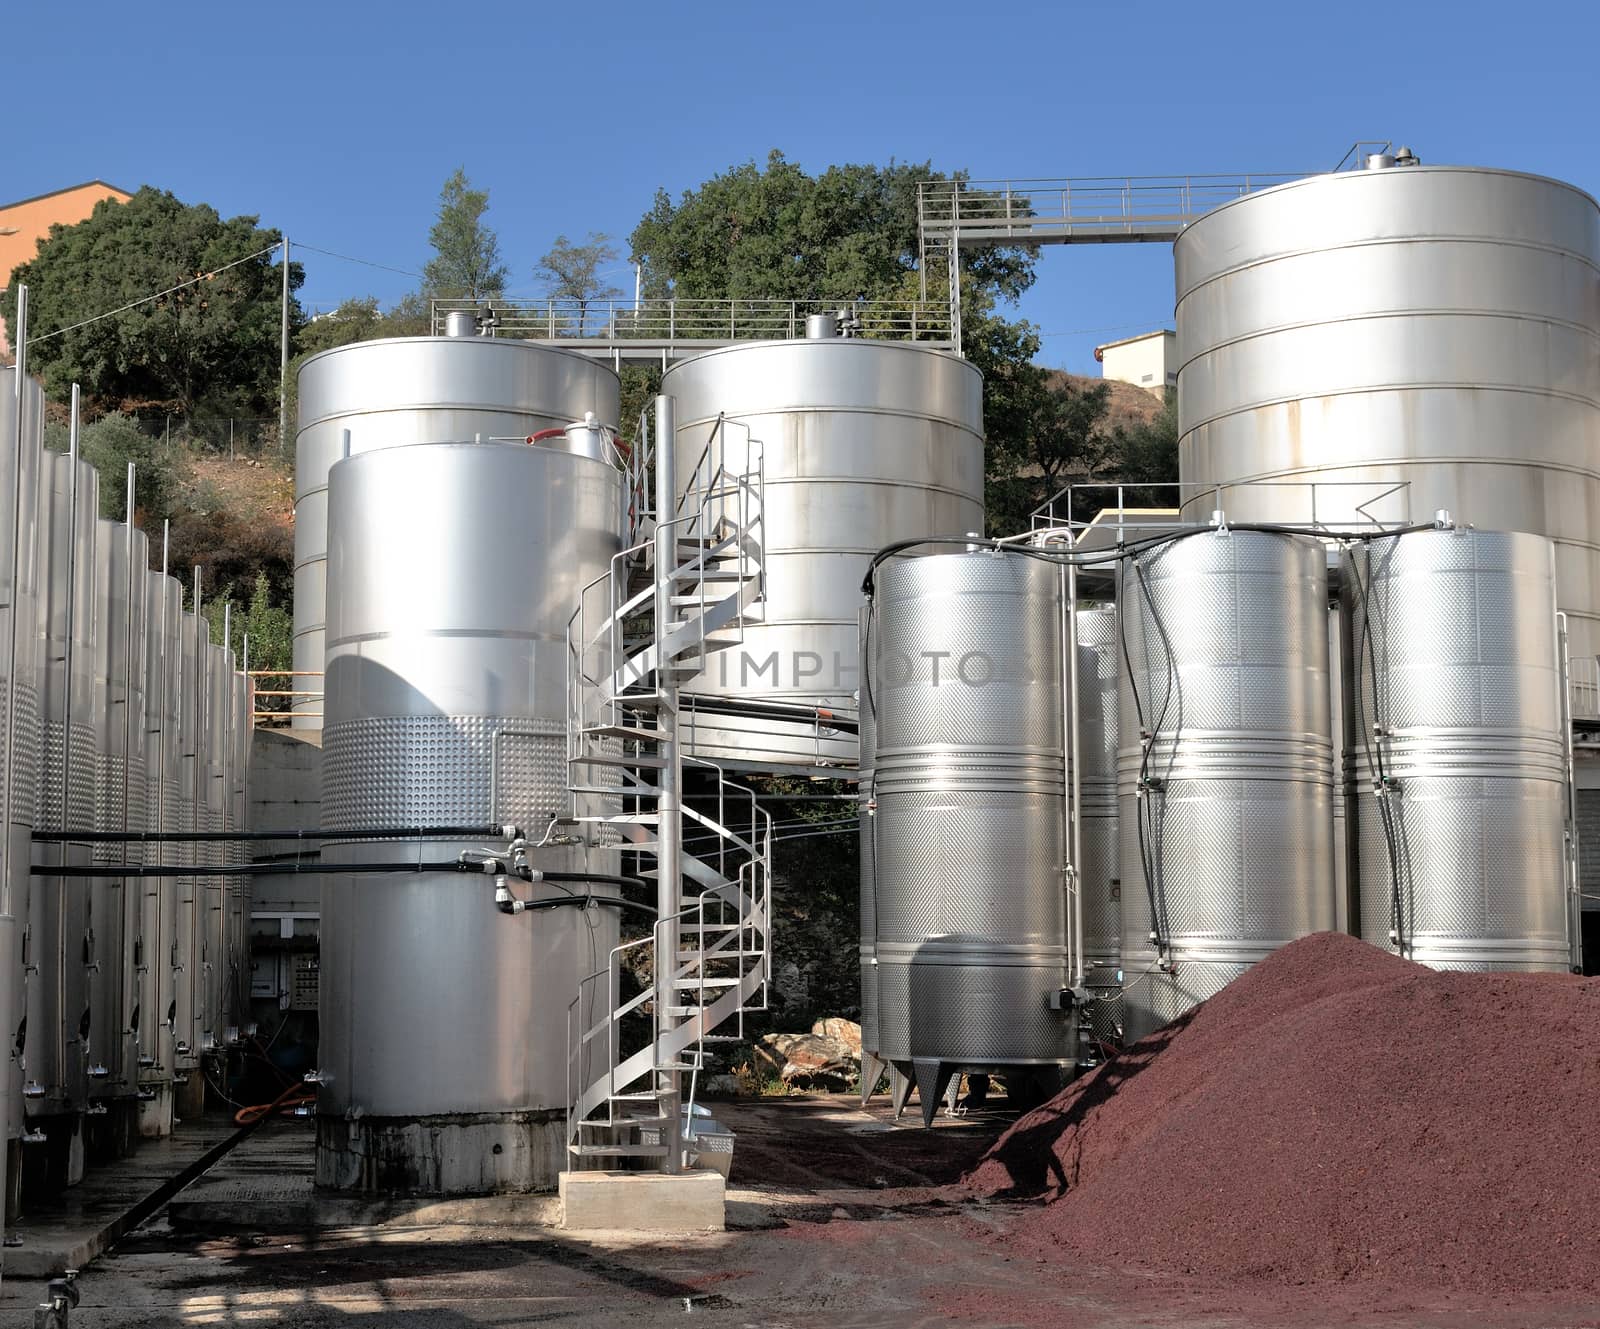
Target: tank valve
x,y
61,1297
98,1072
34,1137
1443,521
316,1077
504,900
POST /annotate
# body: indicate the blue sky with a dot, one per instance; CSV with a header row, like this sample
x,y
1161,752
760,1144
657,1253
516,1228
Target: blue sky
x,y
339,121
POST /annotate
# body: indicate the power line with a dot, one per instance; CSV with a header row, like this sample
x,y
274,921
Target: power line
x,y
193,281
365,262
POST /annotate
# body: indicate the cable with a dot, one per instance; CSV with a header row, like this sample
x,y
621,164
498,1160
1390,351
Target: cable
x,y
227,837
193,281
364,262
296,1095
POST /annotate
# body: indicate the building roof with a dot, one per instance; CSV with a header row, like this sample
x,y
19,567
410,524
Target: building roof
x,y
69,189
1128,341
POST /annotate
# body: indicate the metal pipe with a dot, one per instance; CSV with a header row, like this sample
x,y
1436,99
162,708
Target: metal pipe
x,y
202,837
669,851
1574,909
132,940
19,377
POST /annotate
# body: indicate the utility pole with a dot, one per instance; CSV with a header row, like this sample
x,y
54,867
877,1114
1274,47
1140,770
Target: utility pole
x,y
283,359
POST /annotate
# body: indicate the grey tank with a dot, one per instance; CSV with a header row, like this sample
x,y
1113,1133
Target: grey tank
x,y
453,571
866,808
188,977
1227,638
121,557
864,443
1454,634
968,897
19,587
1437,326
57,982
1099,874
158,976
214,1016
406,390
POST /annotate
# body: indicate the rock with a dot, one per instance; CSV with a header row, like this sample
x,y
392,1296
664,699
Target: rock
x,y
846,1031
811,1061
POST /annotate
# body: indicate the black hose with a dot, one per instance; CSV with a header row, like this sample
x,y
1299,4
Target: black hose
x,y
605,878
249,869
225,837
766,710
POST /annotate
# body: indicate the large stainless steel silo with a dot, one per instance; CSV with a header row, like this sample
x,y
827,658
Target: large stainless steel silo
x,y
1099,874
968,839
237,939
395,392
862,444
1431,326
21,414
116,945
1225,774
188,979
56,1075
215,1017
453,570
1459,752
158,1033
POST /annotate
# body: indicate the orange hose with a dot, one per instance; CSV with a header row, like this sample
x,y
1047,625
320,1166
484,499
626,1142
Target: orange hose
x,y
296,1095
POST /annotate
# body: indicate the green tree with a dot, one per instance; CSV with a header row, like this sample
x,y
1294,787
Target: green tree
x,y
356,319
574,273
466,264
109,444
1064,442
269,627
211,345
1146,455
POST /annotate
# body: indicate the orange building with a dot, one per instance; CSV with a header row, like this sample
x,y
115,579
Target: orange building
x,y
24,223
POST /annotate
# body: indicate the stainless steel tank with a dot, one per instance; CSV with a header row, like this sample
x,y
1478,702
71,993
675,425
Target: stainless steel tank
x,y
1460,862
237,945
158,1032
19,670
215,1032
1099,874
969,771
871,1040
408,390
1427,326
453,571
56,1076
863,443
189,890
115,944
1226,813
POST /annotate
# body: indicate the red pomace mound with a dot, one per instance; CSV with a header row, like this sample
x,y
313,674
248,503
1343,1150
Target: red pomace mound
x,y
1336,1114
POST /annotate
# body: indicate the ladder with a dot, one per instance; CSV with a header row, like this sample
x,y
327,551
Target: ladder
x,y
683,588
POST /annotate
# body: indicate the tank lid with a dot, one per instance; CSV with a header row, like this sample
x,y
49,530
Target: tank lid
x,y
821,325
461,323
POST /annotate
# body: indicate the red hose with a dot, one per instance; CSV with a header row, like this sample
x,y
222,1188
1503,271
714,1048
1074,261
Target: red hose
x,y
296,1095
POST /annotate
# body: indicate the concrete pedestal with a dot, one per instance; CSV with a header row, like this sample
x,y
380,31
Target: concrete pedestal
x,y
643,1201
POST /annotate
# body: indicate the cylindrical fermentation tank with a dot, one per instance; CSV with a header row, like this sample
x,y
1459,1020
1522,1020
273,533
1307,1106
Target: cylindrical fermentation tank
x,y
866,808
19,659
969,772
116,946
1435,327
1458,720
56,1078
158,1032
189,890
1099,875
862,444
453,570
406,390
238,994
1226,812
215,1018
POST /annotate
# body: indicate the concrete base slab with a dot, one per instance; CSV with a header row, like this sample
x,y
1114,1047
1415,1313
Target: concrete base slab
x,y
643,1201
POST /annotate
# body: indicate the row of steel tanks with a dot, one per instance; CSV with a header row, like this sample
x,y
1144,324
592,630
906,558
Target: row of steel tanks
x,y
121,719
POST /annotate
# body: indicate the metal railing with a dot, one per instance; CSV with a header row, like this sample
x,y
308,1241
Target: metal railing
x,y
1040,209
1323,505
667,322
281,705
1583,687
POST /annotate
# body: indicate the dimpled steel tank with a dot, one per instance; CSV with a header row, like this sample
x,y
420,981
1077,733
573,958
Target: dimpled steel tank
x,y
453,571
58,1007
1460,862
406,390
969,770
1437,327
158,976
121,557
863,443
19,571
1226,813
1099,876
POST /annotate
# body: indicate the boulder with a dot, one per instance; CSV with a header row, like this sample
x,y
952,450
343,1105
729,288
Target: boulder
x,y
812,1061
847,1032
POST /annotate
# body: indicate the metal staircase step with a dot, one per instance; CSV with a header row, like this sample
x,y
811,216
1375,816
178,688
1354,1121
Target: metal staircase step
x,y
617,1150
643,760
705,981
615,790
622,1123
624,819
709,927
623,731
687,957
